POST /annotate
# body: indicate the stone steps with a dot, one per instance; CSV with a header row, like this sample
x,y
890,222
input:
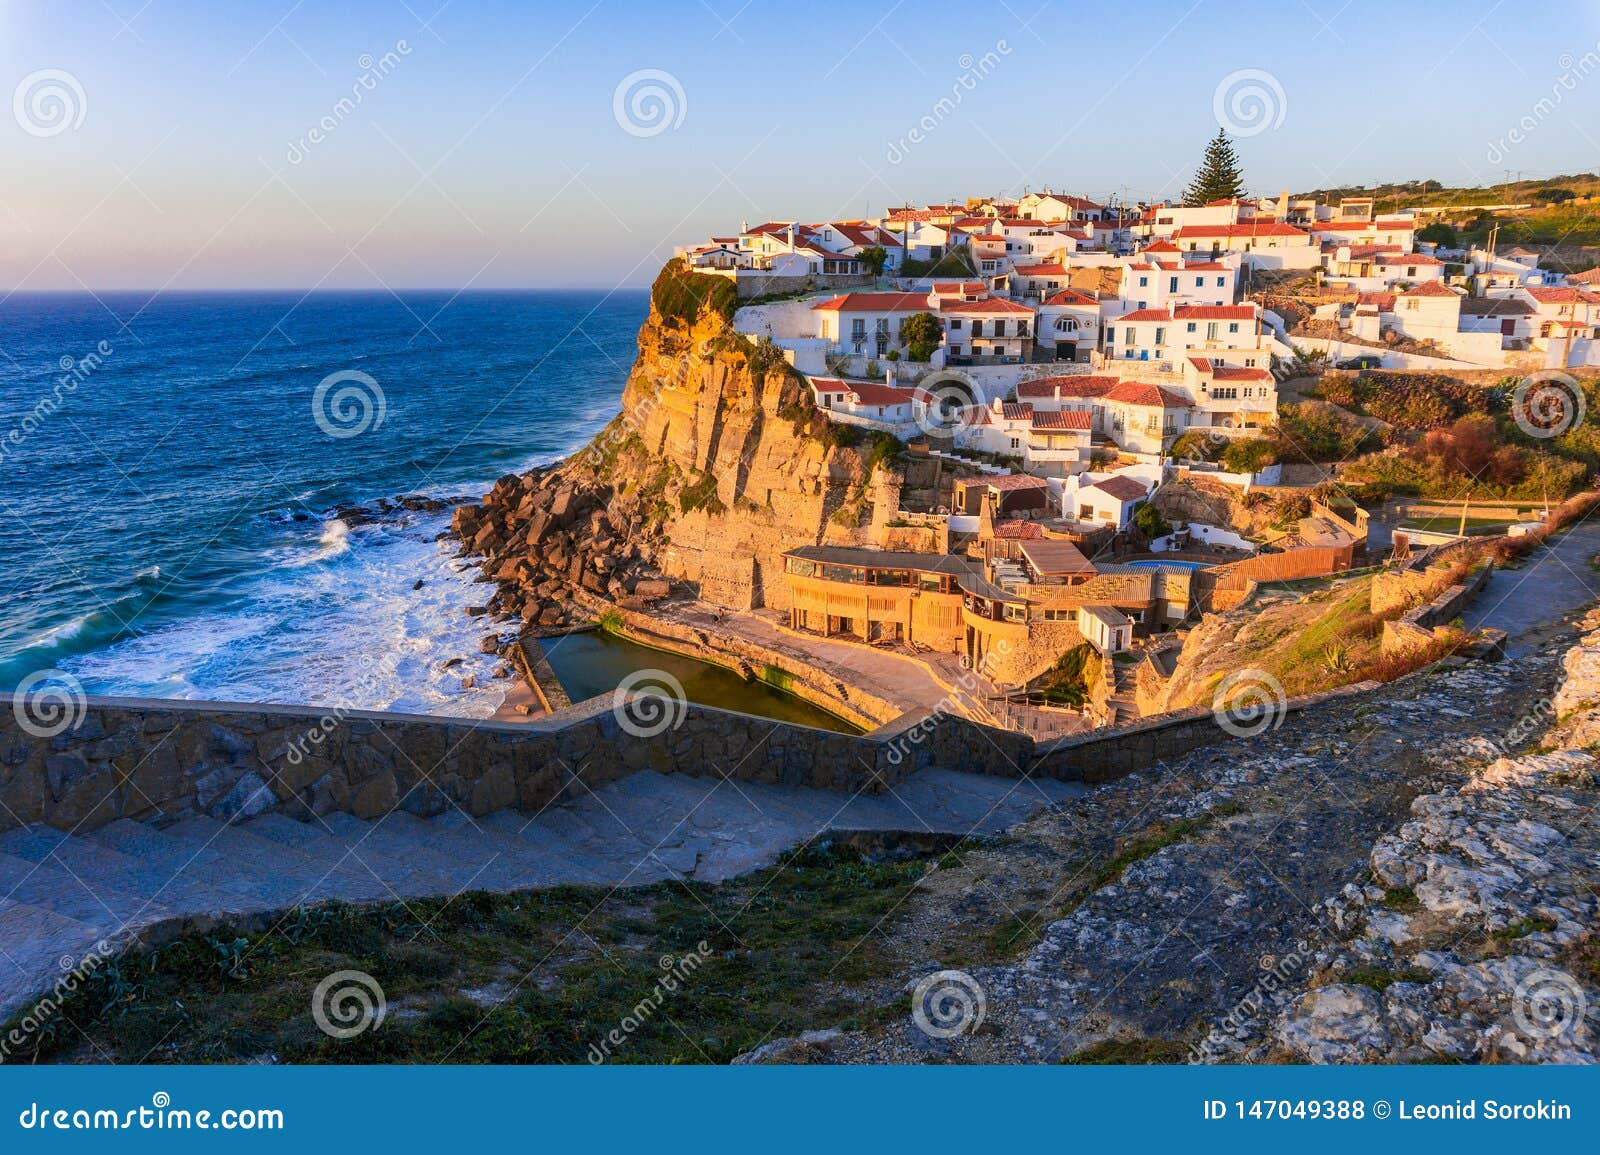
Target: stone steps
x,y
61,893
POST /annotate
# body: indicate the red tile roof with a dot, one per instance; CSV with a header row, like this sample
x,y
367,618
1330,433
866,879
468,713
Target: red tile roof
x,y
1214,313
872,393
1019,530
1150,396
1407,259
1122,488
945,287
1070,297
874,303
1245,229
1015,410
1383,301
1080,421
1430,289
1073,386
1238,373
1388,226
1045,270
1561,295
1592,277
988,305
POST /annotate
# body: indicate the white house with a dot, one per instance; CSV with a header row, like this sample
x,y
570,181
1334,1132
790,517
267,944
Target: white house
x,y
1152,284
1049,206
1171,334
1230,396
866,402
989,330
1109,500
1266,244
1069,322
867,323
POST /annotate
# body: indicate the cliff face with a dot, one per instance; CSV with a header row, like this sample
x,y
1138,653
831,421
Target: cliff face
x,y
717,463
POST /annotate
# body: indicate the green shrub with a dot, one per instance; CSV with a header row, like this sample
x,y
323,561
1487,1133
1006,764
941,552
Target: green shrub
x,y
680,293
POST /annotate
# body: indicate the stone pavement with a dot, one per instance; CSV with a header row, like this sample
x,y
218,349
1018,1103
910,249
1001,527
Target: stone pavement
x,y
61,894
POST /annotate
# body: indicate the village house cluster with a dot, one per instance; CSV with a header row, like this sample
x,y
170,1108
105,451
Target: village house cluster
x,y
1057,348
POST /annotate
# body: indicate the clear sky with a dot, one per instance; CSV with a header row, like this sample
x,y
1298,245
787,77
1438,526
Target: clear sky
x,y
169,143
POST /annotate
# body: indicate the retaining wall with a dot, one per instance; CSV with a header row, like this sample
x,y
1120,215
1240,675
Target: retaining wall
x,y
157,760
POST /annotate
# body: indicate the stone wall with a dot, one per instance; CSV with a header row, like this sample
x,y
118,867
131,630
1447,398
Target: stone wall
x,y
152,760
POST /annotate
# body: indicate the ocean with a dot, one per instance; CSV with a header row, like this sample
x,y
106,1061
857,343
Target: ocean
x,y
169,464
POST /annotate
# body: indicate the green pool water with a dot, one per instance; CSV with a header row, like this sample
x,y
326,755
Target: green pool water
x,y
595,663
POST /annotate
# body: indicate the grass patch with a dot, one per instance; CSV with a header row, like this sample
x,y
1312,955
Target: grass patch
x,y
534,977
1129,1052
1522,928
1155,839
1401,899
1381,980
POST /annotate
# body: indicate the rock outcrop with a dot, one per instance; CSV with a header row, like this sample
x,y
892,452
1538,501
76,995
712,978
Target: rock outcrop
x,y
717,463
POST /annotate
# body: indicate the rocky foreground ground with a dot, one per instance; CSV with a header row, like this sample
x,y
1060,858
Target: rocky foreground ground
x,y
1377,884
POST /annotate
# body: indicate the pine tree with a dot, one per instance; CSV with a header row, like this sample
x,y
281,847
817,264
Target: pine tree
x,y
1218,177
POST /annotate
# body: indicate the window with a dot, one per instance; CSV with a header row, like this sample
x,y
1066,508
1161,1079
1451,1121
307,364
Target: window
x,y
1111,336
1211,331
1221,282
1190,328
1144,282
1233,326
955,350
1161,336
858,328
1016,443
1172,285
999,328
1199,283
955,324
977,329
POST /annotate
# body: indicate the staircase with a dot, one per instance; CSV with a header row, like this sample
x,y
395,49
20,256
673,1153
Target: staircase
x,y
60,894
1123,706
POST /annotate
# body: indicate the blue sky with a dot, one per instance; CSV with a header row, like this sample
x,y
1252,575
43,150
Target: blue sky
x,y
490,153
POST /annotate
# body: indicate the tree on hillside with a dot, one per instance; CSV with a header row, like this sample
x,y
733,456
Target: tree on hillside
x,y
1438,233
1554,196
874,258
921,333
1218,178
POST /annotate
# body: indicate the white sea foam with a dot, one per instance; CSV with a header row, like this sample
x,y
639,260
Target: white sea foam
x,y
350,631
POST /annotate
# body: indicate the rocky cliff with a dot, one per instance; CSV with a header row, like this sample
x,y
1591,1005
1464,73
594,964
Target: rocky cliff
x,y
717,463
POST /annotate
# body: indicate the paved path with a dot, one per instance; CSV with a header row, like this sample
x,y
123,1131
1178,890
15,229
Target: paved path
x,y
1552,582
893,677
60,894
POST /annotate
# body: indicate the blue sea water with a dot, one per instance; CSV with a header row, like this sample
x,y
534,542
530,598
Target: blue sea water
x,y
165,483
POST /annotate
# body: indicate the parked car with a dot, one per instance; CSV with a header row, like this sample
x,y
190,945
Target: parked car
x,y
1365,361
